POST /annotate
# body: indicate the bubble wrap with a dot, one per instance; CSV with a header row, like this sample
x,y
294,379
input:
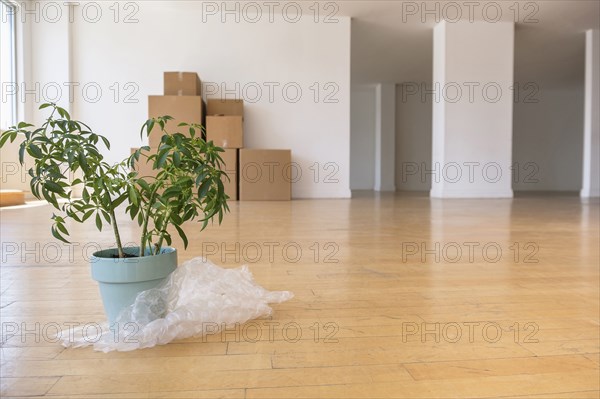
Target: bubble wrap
x,y
196,295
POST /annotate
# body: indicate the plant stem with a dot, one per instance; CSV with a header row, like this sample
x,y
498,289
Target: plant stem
x,y
113,220
47,123
146,219
162,229
116,231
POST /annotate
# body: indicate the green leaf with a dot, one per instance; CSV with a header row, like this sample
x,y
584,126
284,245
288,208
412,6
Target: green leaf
x,y
98,221
62,228
106,216
220,188
5,136
171,192
144,127
176,219
143,184
204,188
119,201
87,215
133,211
161,159
53,200
133,195
182,235
54,187
22,154
105,141
57,235
150,126
63,113
83,161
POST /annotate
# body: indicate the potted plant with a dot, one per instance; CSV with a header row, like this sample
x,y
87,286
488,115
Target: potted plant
x,y
187,186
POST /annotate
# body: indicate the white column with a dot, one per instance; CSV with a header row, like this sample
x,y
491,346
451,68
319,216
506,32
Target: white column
x,y
385,134
362,137
472,110
591,126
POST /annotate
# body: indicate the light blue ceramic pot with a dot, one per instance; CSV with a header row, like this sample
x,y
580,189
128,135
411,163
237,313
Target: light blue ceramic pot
x,y
121,279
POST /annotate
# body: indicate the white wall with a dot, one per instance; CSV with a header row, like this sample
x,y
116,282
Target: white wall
x,y
473,131
244,56
413,139
548,139
385,136
362,140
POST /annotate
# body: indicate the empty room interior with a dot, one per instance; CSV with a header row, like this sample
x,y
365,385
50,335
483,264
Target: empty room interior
x,y
295,199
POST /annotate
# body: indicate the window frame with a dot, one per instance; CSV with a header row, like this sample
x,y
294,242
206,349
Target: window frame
x,y
13,58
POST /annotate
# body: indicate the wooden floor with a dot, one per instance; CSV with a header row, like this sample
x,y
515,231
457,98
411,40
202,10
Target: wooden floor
x,y
402,297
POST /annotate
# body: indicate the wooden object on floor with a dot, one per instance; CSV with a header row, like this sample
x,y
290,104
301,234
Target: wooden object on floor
x,y
12,197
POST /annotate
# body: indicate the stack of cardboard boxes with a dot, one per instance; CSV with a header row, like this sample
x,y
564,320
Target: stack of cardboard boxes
x,y
253,174
225,128
182,100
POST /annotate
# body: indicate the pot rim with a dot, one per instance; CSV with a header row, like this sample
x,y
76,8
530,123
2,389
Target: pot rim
x,y
134,250
125,270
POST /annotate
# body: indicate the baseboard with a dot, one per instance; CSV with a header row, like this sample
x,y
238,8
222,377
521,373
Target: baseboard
x,y
440,193
586,193
321,194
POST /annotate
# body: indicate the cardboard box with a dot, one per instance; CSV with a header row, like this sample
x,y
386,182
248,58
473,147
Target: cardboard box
x,y
225,107
204,118
182,84
230,160
225,131
264,175
188,109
